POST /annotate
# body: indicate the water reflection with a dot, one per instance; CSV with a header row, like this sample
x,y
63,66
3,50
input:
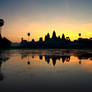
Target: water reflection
x,y
3,58
48,58
1,75
55,58
31,69
80,62
85,56
63,57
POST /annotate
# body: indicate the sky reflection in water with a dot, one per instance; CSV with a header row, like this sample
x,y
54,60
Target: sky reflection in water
x,y
46,70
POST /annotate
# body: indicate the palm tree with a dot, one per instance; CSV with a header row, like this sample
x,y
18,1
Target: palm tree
x,y
28,36
80,35
1,24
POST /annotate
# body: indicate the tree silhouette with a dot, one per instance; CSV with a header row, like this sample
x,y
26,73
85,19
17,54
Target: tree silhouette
x,y
79,34
1,24
28,36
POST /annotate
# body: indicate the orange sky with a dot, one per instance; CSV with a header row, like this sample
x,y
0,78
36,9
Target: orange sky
x,y
40,29
42,16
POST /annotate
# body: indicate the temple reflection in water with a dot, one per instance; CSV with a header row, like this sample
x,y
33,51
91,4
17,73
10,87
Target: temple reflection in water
x,y
46,69
61,57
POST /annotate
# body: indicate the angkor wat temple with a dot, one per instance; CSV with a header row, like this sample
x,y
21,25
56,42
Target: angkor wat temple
x,y
57,42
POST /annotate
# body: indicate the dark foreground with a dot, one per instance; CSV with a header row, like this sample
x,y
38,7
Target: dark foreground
x,y
46,70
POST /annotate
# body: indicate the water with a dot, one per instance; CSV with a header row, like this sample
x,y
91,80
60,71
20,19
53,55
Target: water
x,y
46,70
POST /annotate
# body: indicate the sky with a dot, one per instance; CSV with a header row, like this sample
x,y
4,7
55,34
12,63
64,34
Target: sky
x,y
40,17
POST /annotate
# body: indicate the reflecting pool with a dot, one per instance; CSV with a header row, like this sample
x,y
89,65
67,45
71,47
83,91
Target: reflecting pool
x,y
57,70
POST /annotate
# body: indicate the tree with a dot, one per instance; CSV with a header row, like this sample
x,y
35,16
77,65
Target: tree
x,y
28,36
80,35
1,24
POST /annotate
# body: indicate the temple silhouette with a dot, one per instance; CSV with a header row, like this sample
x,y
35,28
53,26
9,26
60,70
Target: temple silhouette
x,y
49,42
57,42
